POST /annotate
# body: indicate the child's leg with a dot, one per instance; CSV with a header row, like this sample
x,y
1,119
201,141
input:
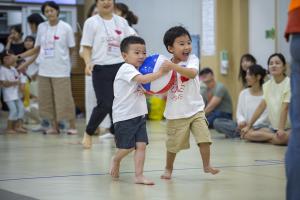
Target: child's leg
x,y
169,165
20,116
10,127
116,160
139,160
205,154
12,116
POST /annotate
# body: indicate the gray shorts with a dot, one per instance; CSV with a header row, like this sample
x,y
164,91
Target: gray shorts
x,y
131,131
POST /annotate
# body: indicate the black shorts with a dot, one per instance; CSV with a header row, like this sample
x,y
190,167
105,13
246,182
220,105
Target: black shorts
x,y
131,131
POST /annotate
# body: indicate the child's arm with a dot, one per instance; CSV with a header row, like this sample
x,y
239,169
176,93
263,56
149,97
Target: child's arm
x,y
151,77
184,71
9,83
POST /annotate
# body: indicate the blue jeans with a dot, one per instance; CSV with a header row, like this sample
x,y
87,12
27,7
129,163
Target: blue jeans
x,y
293,151
16,109
215,115
227,127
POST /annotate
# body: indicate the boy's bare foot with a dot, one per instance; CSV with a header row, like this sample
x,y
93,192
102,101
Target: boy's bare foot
x,y
143,180
87,141
211,170
167,174
114,168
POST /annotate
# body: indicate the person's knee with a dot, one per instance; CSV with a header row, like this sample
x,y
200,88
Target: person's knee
x,y
141,146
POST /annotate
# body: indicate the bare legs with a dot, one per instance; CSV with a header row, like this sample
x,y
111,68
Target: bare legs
x,y
139,159
265,135
169,165
204,149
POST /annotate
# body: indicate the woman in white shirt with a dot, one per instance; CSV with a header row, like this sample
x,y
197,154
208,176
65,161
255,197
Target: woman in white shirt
x,y
101,38
90,96
249,99
54,42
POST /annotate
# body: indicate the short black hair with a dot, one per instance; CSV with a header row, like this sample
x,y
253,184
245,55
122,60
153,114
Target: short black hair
x,y
97,1
206,71
256,70
131,40
4,53
174,33
35,18
17,28
51,4
29,37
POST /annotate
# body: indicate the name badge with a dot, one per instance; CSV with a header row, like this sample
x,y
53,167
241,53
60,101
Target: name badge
x,y
113,48
49,52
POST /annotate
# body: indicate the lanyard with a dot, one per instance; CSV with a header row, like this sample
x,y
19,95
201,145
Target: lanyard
x,y
52,39
106,30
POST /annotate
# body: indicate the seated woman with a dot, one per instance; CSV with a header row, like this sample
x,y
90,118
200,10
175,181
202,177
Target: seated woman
x,y
276,99
249,99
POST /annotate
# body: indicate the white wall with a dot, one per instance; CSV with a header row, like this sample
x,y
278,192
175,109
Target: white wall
x,y
282,15
261,18
157,16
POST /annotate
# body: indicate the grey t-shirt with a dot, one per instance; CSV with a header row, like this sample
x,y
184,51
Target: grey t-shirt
x,y
219,91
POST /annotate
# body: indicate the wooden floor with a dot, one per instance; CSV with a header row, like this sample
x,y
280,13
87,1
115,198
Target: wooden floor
x,y
56,167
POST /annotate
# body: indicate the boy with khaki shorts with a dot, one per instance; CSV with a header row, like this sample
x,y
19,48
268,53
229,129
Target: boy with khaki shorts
x,y
184,108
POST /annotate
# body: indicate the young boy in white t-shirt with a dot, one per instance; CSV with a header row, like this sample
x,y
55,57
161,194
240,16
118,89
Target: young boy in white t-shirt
x,y
10,80
185,107
130,108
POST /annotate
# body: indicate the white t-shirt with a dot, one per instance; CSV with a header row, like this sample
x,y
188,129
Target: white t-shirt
x,y
247,104
98,33
55,41
184,98
275,94
130,100
11,74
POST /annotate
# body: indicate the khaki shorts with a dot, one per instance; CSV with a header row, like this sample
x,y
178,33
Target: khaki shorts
x,y
178,132
55,98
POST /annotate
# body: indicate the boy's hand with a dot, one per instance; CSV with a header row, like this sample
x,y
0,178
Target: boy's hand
x,y
89,69
166,66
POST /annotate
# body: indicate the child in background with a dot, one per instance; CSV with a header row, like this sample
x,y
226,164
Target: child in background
x,y
30,89
10,80
185,107
130,108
